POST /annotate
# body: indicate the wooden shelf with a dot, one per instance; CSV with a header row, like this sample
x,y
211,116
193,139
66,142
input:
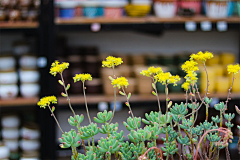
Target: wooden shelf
x,y
148,19
16,25
93,99
18,102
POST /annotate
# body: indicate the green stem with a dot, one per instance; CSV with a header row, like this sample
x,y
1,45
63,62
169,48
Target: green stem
x,y
166,92
115,98
93,144
56,120
210,150
86,103
207,112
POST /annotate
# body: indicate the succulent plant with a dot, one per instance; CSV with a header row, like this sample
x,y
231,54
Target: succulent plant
x,y
74,121
183,140
229,116
108,145
108,128
206,125
126,152
140,135
155,131
103,117
213,137
220,106
153,117
130,124
89,131
119,136
187,123
70,139
170,148
216,119
207,100
179,109
193,105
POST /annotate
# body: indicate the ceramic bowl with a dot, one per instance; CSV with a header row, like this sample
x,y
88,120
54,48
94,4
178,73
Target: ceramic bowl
x,y
8,77
11,144
28,61
10,121
30,131
29,76
7,63
29,145
219,9
8,91
29,90
138,8
4,152
165,9
10,133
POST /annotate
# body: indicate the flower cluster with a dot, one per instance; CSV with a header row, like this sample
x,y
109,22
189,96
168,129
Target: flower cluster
x,y
200,56
46,101
190,66
111,62
152,71
82,77
185,85
167,78
120,82
58,68
233,68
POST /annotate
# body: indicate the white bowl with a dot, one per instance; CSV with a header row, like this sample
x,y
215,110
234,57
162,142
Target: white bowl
x,y
11,144
7,63
28,133
28,61
8,77
10,133
217,9
29,90
165,9
8,91
29,76
11,121
29,145
4,152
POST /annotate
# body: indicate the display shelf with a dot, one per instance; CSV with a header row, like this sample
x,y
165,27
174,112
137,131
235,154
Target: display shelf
x,y
93,99
18,102
148,19
18,25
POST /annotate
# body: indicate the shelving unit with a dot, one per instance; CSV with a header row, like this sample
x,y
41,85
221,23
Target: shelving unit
x,y
18,25
19,102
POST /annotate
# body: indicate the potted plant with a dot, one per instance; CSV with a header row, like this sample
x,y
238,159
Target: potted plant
x,y
182,137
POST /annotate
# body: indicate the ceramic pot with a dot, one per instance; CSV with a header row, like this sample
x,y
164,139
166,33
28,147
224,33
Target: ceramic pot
x,y
29,145
28,62
30,131
29,90
20,47
4,152
165,8
12,144
10,133
8,91
8,77
7,63
218,9
29,76
10,121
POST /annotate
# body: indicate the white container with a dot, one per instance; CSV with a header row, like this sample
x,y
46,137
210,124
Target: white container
x,y
10,121
7,63
8,91
8,77
29,90
30,133
29,145
29,76
165,9
28,62
4,152
217,9
11,144
10,133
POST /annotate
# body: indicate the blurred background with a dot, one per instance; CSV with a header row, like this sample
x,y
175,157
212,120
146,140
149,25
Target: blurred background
x,y
34,33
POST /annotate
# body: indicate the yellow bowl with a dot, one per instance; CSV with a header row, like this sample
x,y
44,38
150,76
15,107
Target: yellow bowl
x,y
134,10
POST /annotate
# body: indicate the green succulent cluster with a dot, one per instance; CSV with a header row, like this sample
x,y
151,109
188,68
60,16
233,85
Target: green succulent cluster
x,y
74,121
153,118
89,131
130,124
70,139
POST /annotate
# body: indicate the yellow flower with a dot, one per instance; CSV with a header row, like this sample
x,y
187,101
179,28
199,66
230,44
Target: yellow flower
x,y
185,85
201,56
58,68
190,66
191,77
233,68
120,82
151,71
82,77
111,62
167,78
46,101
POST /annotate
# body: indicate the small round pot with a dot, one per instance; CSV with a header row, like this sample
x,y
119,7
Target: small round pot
x,y
8,77
29,145
12,144
8,91
10,121
4,151
219,9
165,8
29,76
28,62
30,131
10,133
7,63
29,90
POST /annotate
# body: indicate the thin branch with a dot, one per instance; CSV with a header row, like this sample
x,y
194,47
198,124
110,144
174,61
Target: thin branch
x,y
86,103
56,120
